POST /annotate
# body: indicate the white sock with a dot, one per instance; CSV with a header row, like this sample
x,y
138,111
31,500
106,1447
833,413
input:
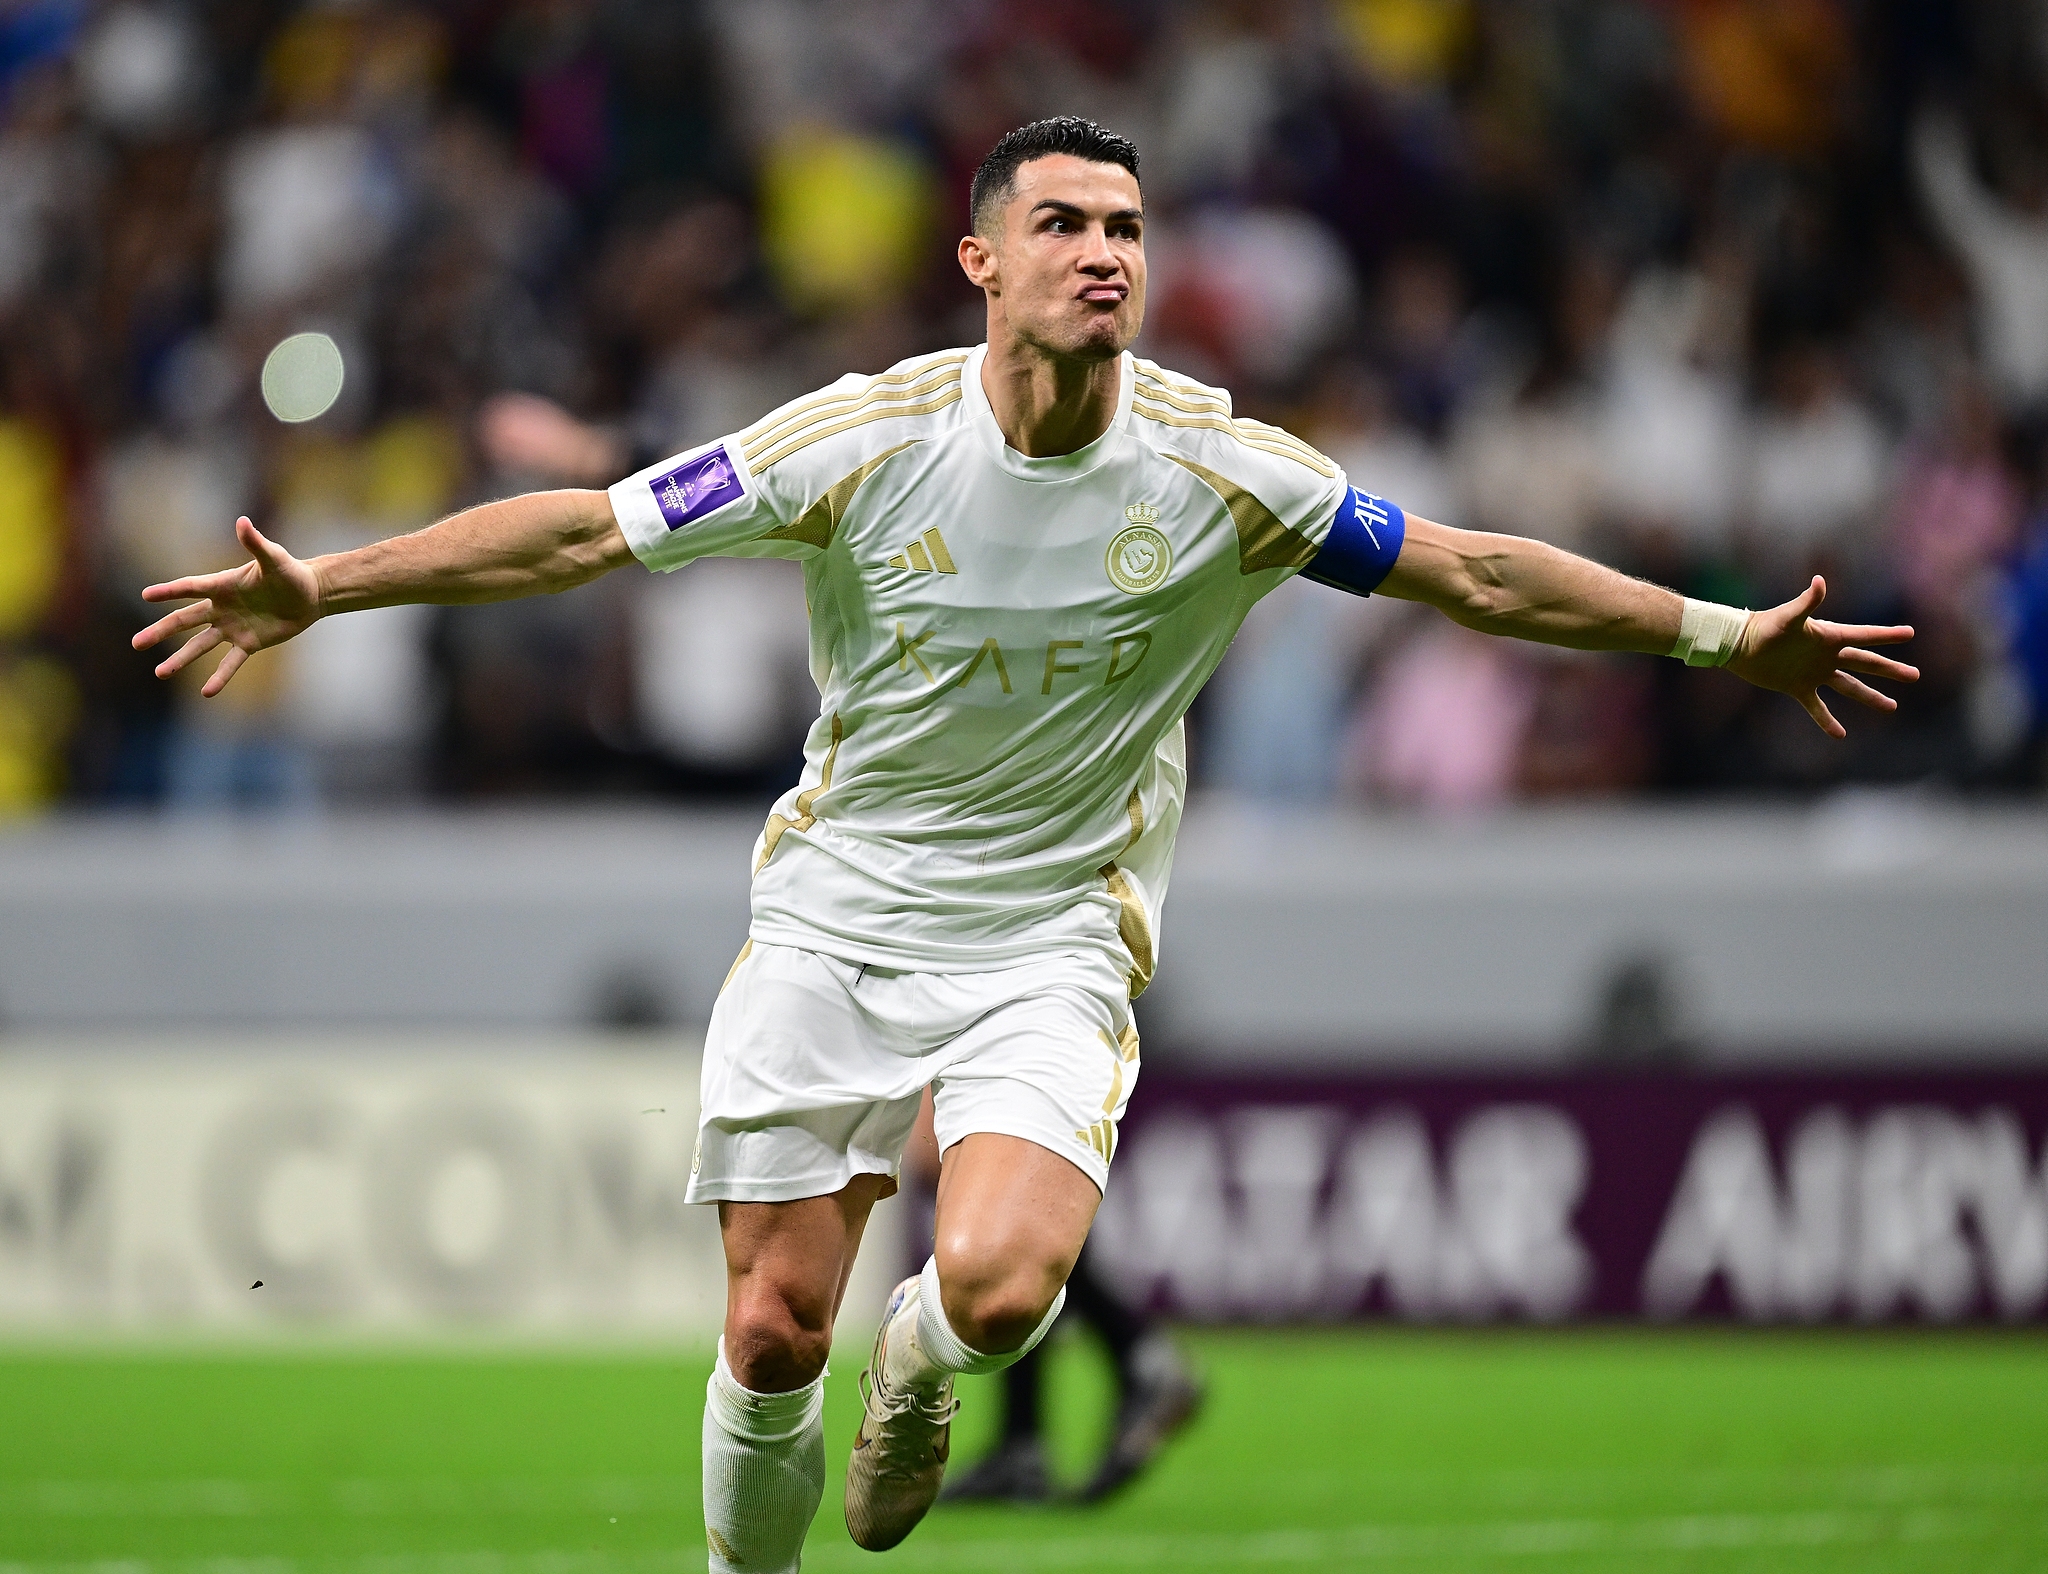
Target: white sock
x,y
764,1472
932,1352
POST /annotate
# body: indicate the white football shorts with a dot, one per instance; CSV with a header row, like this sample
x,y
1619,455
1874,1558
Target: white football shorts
x,y
814,1067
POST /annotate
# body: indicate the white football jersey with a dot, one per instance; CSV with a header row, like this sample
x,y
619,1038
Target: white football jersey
x,y
1005,647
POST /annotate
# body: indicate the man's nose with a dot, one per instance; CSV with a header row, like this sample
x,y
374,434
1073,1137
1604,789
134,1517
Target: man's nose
x,y
1097,257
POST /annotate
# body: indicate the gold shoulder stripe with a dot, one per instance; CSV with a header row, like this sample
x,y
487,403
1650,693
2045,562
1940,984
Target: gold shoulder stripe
x,y
833,410
1181,398
1263,542
860,417
1180,383
782,417
819,406
1280,444
1214,423
842,406
771,834
1311,455
1247,429
816,524
1274,439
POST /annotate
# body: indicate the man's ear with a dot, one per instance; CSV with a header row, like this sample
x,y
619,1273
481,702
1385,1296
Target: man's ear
x,y
978,262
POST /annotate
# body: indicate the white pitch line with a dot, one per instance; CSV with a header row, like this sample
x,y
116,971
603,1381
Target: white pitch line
x,y
1277,1548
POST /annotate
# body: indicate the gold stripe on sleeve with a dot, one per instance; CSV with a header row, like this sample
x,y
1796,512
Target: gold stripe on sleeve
x,y
1263,542
746,951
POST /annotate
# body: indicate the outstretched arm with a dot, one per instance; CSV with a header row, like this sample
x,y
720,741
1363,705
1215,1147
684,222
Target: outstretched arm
x,y
523,546
1530,590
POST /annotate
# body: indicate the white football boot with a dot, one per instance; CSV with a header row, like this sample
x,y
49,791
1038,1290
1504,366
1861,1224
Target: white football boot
x,y
899,1453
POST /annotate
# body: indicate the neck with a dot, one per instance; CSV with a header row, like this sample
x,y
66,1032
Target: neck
x,y
1046,404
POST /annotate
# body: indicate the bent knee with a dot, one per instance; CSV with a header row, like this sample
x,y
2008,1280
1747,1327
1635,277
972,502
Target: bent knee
x,y
996,1303
775,1343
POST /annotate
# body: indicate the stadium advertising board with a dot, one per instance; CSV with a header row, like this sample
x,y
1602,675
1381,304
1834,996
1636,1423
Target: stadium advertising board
x,y
1768,1199
529,1190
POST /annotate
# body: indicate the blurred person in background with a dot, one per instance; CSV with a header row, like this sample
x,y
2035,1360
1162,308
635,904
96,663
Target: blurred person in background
x,y
966,887
513,197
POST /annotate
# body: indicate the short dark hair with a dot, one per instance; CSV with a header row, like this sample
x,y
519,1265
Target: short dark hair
x,y
996,181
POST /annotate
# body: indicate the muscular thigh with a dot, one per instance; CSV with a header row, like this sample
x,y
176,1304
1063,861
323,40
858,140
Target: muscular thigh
x,y
1010,1203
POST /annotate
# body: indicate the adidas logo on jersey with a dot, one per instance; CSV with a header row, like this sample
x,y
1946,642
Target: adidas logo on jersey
x,y
927,554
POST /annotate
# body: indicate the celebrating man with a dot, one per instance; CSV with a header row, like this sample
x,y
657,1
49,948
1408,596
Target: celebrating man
x,y
1022,560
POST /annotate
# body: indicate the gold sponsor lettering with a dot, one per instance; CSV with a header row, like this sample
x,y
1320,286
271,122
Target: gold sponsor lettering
x,y
906,652
1118,672
991,651
1053,664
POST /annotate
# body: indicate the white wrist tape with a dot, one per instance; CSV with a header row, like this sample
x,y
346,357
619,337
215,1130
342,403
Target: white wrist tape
x,y
1709,633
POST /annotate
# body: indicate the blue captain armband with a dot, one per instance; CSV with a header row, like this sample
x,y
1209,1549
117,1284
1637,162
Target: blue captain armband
x,y
1363,542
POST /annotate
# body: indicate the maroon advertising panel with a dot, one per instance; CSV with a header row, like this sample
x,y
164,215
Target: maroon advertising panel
x,y
1780,1198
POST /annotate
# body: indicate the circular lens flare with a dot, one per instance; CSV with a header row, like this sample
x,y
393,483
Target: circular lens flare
x,y
302,377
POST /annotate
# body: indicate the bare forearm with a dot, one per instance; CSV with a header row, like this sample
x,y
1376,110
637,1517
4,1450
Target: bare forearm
x,y
521,546
1530,590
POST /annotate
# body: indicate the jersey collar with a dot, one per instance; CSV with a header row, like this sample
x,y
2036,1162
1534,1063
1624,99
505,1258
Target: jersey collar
x,y
1061,467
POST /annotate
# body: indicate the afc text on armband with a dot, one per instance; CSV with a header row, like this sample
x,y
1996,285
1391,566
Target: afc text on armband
x,y
1123,652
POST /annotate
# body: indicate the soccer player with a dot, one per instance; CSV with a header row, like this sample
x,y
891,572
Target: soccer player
x,y
1022,561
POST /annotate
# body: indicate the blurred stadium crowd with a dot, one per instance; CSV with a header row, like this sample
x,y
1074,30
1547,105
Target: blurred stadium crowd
x,y
1723,291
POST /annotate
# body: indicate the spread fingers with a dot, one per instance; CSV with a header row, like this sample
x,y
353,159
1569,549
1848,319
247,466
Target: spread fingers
x,y
184,618
1823,718
1872,665
228,664
1861,692
195,647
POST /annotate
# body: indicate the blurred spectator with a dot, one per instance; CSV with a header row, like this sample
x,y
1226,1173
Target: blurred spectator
x,y
2004,246
1771,74
1671,426
1713,289
1443,726
1817,467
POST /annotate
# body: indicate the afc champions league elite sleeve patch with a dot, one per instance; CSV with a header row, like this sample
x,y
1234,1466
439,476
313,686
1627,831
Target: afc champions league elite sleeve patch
x,y
697,487
1363,542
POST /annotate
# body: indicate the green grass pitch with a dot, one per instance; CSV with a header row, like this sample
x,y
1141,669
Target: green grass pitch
x,y
1601,1450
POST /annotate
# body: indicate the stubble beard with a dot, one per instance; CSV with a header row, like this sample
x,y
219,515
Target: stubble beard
x,y
1091,343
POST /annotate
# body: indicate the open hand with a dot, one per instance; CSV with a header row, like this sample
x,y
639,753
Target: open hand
x,y
262,603
1785,650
